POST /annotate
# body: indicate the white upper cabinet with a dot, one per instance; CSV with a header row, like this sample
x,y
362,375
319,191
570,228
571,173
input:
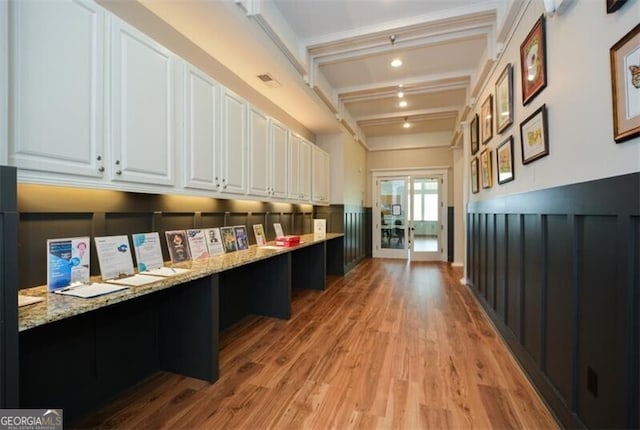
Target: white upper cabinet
x,y
202,131
299,168
233,144
279,160
57,87
143,110
321,178
259,154
268,167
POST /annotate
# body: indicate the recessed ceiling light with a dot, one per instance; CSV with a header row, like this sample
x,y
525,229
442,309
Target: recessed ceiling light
x,y
400,94
403,103
406,123
396,62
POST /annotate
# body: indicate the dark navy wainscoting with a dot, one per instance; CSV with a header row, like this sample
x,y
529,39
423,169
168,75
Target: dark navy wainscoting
x,y
557,271
355,223
8,289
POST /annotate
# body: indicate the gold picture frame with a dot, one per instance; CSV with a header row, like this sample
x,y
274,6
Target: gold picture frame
x,y
486,171
486,119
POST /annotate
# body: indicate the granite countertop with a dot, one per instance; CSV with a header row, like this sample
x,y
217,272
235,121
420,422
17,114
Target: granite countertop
x,y
56,307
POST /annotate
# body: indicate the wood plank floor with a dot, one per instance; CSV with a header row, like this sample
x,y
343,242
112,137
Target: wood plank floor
x,y
390,345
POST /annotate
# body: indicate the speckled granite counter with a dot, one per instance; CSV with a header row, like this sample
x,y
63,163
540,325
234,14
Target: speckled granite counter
x,y
57,307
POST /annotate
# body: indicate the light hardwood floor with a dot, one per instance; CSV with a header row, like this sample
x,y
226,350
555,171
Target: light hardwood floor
x,y
390,345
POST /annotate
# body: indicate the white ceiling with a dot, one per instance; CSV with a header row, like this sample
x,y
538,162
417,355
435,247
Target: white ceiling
x,y
332,56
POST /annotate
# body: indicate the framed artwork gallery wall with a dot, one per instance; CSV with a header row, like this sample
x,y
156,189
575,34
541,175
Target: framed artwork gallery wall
x,y
533,239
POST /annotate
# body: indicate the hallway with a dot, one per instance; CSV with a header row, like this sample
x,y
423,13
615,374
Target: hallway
x,y
390,345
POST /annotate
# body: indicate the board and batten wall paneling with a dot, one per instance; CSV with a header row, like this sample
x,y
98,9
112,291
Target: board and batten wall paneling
x,y
564,264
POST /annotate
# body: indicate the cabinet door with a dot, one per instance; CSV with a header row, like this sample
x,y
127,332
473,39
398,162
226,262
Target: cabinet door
x,y
57,51
202,130
320,185
294,168
279,162
234,144
305,170
143,108
259,157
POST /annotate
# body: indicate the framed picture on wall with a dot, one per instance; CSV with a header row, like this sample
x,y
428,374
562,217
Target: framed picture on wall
x,y
614,5
534,136
474,175
504,99
486,117
504,161
625,82
486,172
533,62
396,210
475,144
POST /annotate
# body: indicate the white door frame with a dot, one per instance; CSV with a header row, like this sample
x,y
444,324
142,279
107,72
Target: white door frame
x,y
377,174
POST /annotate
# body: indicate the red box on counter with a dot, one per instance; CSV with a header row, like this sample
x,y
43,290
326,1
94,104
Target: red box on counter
x,y
287,241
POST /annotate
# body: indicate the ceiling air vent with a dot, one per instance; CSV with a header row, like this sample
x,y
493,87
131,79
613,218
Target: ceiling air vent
x,y
269,81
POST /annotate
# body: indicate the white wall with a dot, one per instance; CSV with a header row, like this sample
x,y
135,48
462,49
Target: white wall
x,y
407,141
410,158
577,96
459,178
348,168
4,82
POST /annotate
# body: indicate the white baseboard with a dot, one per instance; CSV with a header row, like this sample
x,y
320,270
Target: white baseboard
x,y
457,264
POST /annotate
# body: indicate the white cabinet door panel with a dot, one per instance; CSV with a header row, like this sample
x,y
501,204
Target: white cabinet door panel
x,y
259,157
57,57
202,131
143,108
279,163
234,144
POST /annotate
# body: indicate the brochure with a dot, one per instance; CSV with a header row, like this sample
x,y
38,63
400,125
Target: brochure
x,y
197,244
178,246
258,232
228,239
67,262
147,250
319,228
277,227
242,239
114,256
214,241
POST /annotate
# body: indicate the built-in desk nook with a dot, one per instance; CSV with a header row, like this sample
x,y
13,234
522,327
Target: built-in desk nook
x,y
77,353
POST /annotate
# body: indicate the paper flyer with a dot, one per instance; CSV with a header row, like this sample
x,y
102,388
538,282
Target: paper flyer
x,y
319,228
277,227
197,244
242,239
148,251
258,232
178,246
114,256
67,262
214,241
228,239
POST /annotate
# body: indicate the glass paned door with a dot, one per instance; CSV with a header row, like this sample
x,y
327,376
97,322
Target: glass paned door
x,y
425,224
392,240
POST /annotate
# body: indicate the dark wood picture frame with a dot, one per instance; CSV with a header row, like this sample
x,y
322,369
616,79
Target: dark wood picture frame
x,y
504,99
475,143
486,119
475,175
504,161
625,85
533,62
614,5
534,136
